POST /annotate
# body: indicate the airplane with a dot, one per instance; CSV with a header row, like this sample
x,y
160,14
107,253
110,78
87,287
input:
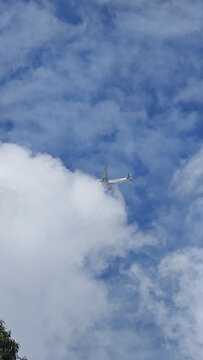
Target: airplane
x,y
108,183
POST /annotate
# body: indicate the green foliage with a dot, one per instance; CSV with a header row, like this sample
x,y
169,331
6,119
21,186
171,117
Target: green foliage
x,y
8,347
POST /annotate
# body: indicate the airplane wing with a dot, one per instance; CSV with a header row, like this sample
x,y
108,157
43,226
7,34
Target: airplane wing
x,y
105,174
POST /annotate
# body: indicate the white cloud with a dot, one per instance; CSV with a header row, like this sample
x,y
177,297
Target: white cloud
x,y
170,295
25,27
181,314
188,179
192,92
58,231
187,189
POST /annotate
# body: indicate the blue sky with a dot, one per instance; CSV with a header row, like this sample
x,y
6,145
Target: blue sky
x,y
89,83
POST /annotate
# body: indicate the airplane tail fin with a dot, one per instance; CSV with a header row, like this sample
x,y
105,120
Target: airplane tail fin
x,y
130,177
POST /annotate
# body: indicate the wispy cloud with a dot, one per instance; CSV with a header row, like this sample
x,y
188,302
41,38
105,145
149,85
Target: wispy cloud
x,y
170,296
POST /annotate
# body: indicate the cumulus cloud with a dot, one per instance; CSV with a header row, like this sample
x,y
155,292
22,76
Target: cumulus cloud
x,y
59,230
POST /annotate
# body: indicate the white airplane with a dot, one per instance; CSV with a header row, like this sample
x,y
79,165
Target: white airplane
x,y
108,183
